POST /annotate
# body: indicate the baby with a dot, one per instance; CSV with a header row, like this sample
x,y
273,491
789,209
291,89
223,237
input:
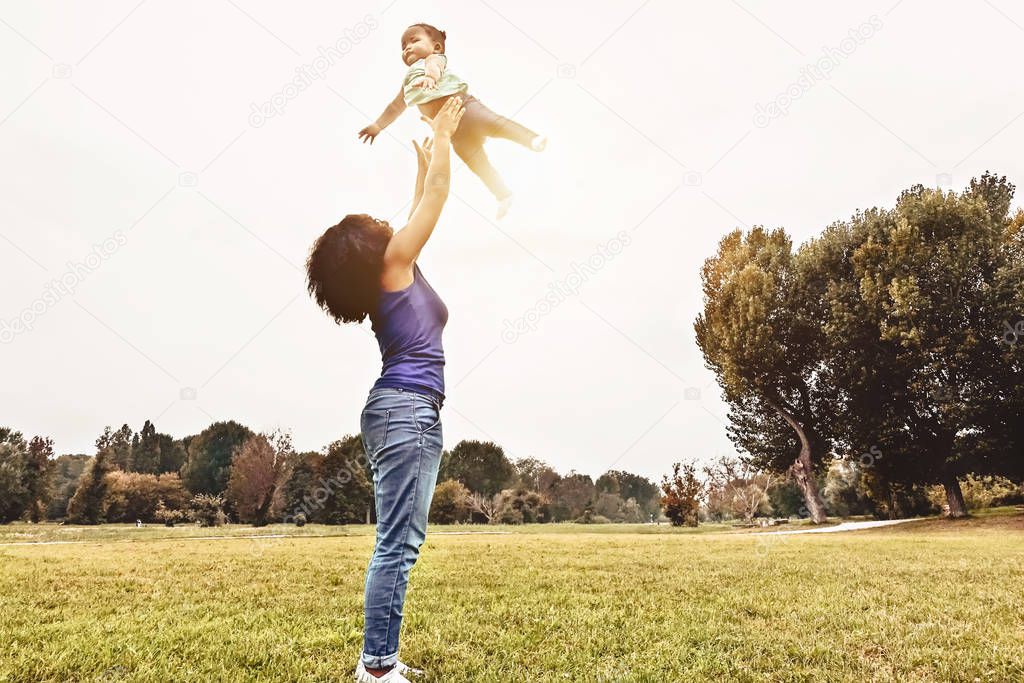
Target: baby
x,y
429,84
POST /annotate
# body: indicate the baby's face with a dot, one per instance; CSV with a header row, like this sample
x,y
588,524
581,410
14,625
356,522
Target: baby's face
x,y
416,45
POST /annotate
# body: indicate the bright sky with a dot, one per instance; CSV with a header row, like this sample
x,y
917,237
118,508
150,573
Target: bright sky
x,y
137,173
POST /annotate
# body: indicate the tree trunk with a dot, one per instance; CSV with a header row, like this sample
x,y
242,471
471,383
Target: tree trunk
x,y
803,469
954,497
803,472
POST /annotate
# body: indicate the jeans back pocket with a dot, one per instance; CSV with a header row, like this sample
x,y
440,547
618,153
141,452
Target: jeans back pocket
x,y
373,424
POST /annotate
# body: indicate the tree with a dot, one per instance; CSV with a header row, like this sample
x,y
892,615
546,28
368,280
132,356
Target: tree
x,y
38,476
480,465
644,492
146,450
259,469
67,470
173,453
118,445
682,491
86,506
736,489
484,505
534,474
451,504
348,493
301,494
764,344
14,494
914,300
208,464
571,496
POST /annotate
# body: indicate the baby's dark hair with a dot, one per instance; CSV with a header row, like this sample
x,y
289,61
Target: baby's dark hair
x,y
436,34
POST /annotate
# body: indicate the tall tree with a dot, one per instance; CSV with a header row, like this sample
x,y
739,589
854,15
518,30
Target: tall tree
x,y
209,457
38,476
259,469
765,346
302,495
146,450
572,496
86,506
173,453
914,298
67,470
14,495
349,494
119,446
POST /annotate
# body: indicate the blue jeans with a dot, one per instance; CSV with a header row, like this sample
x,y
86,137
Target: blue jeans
x,y
401,431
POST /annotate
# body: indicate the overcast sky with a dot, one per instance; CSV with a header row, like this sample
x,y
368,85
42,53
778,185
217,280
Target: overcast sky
x,y
158,166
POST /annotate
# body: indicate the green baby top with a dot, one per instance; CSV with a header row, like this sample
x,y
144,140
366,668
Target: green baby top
x,y
448,84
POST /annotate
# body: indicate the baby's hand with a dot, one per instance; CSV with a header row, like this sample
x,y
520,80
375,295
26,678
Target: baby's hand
x,y
369,133
427,83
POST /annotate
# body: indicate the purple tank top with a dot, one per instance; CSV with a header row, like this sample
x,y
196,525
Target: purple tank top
x,y
408,324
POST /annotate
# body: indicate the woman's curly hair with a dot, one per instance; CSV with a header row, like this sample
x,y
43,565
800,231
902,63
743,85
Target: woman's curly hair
x,y
344,266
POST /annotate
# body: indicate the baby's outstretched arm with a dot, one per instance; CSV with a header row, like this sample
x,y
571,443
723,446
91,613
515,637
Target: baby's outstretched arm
x,y
387,117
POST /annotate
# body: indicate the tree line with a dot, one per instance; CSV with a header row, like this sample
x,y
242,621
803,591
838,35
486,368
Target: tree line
x,y
228,472
892,336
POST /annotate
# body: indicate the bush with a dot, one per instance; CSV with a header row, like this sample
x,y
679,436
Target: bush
x,y
518,506
980,492
682,491
207,510
590,518
130,496
168,516
451,504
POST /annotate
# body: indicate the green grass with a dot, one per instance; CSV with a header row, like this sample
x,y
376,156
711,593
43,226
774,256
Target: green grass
x,y
929,600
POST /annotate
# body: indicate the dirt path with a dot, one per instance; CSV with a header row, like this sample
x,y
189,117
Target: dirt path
x,y
844,526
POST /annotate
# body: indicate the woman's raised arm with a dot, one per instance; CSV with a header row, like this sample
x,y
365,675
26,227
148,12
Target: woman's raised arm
x,y
405,246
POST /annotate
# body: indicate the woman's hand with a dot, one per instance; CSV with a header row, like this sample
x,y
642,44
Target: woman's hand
x,y
423,153
447,120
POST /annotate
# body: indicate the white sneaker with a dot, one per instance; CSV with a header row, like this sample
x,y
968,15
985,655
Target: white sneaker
x,y
503,206
407,670
392,676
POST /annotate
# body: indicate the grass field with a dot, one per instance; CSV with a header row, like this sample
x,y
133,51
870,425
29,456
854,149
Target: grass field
x,y
932,600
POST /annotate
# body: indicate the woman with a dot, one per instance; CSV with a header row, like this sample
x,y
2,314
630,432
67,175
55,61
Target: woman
x,y
360,268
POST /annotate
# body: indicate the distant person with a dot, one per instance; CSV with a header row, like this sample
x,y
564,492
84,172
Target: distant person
x,y
429,84
359,268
